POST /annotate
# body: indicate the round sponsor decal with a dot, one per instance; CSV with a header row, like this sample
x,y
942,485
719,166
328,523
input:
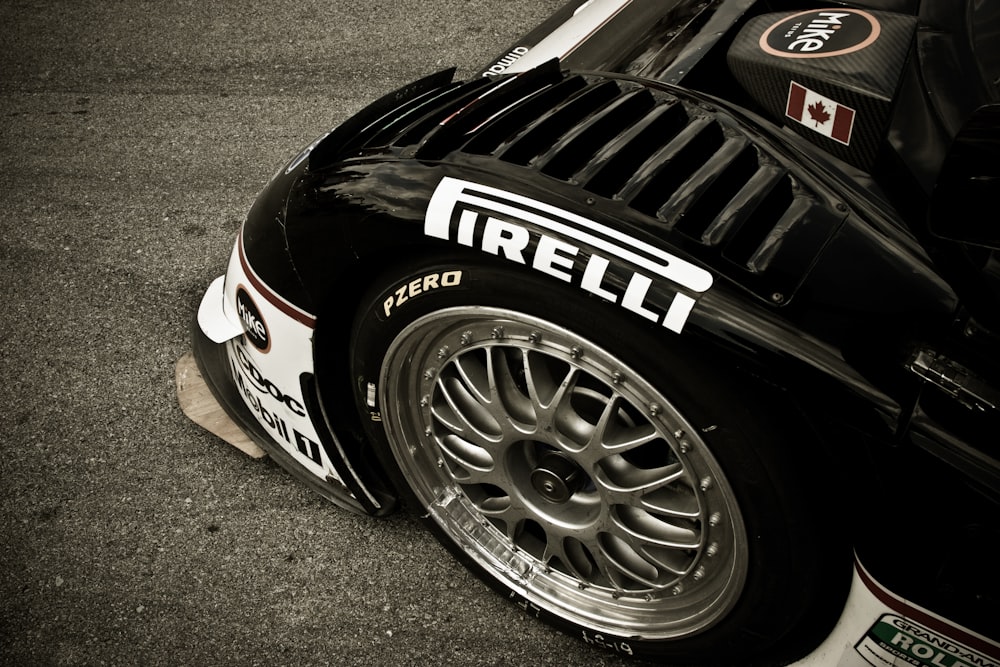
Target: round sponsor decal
x,y
821,34
253,323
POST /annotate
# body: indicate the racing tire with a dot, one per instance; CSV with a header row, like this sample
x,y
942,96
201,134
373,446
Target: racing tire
x,y
613,479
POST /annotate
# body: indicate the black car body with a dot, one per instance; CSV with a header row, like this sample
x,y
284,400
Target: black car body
x,y
797,197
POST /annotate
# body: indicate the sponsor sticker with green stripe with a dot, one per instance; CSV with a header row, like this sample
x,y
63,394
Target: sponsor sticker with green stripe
x,y
893,640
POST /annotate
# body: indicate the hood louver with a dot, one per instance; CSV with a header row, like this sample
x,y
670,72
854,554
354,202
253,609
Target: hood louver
x,y
688,168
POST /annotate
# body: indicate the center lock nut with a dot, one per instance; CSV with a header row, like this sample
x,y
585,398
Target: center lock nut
x,y
557,477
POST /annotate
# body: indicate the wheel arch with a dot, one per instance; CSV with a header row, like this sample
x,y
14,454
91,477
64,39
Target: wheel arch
x,y
762,362
335,388
375,215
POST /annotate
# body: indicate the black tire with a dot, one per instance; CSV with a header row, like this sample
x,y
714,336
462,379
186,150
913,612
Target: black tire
x,y
611,479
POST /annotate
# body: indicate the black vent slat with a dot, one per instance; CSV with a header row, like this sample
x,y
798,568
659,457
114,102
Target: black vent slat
x,y
499,99
642,174
754,232
670,166
765,252
615,163
419,129
576,148
539,136
696,202
358,129
501,130
747,201
381,132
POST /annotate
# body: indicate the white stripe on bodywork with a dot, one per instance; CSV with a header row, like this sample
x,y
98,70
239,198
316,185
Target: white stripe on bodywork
x,y
561,42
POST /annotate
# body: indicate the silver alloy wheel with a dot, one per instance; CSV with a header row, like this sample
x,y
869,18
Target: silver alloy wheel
x,y
563,473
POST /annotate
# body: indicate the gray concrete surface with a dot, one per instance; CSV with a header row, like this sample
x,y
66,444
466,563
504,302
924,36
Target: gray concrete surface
x,y
133,137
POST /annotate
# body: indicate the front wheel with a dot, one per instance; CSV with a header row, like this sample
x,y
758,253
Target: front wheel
x,y
608,481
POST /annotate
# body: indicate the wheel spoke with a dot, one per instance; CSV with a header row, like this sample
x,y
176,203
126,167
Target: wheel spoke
x,y
506,509
625,564
537,459
568,421
675,562
470,369
538,375
579,560
465,453
613,434
494,506
646,528
547,392
618,476
663,491
676,500
519,409
458,408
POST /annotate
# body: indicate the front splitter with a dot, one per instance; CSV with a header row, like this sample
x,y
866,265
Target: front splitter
x,y
199,404
237,424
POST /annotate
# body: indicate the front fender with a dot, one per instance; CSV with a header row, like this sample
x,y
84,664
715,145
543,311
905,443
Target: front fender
x,y
687,217
390,210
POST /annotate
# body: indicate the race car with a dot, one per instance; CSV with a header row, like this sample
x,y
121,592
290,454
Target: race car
x,y
677,324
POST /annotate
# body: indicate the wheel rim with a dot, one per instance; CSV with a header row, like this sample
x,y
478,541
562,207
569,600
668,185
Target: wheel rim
x,y
563,473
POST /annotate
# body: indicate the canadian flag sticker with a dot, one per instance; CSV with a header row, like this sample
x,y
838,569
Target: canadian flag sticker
x,y
820,114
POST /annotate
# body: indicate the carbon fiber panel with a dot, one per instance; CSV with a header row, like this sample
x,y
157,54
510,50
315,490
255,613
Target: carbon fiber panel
x,y
830,75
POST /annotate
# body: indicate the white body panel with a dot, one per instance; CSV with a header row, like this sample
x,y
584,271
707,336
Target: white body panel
x,y
266,367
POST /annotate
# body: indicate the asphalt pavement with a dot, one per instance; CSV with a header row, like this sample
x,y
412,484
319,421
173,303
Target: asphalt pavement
x,y
134,135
